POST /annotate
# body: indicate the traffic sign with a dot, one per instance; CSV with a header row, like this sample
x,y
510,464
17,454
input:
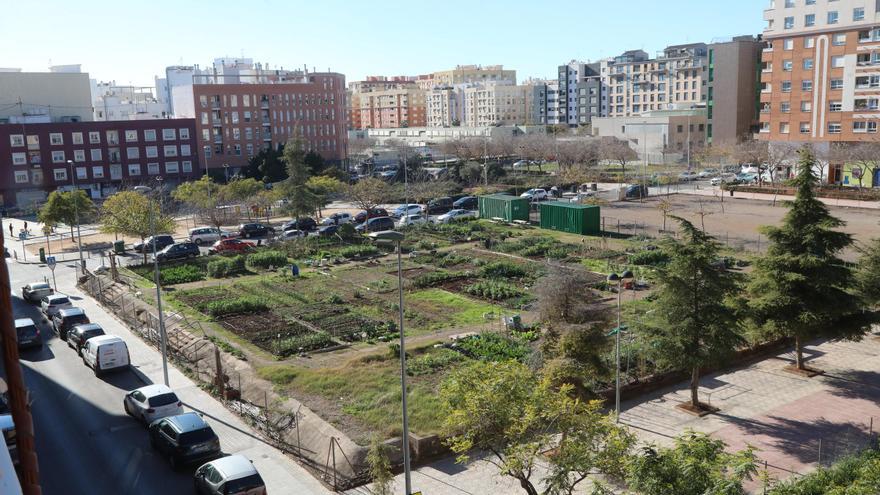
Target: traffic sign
x,y
50,262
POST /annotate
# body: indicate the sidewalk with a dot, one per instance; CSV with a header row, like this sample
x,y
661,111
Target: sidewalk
x,y
715,191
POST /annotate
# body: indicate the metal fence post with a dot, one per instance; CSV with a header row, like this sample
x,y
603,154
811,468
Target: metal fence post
x,y
820,452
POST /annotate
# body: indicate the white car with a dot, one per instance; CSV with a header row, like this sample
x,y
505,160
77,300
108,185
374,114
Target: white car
x,y
403,210
709,172
454,215
412,220
208,235
534,195
288,235
337,219
50,305
233,474
521,164
151,403
687,176
105,353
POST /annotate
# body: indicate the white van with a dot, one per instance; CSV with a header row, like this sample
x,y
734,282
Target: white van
x,y
105,353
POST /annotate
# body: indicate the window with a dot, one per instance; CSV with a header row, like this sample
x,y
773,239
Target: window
x,y
134,169
786,65
60,174
152,151
236,133
806,85
788,44
785,107
810,2
835,106
79,155
33,142
172,168
789,4
247,116
94,137
153,169
187,166
809,20
185,150
805,127
98,172
131,136
872,126
16,140
57,157
169,135
248,133
170,150
837,61
809,42
82,173
832,17
132,153
77,137
55,139
788,23
112,137
860,127
786,86
19,158
150,135
859,14
184,133
834,128
783,128
838,39
808,64
21,177
837,84
96,155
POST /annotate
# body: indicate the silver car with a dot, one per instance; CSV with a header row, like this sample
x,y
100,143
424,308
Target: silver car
x,y
50,305
151,403
34,292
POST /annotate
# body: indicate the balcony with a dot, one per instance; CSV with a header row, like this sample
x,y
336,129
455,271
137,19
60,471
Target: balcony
x,y
218,139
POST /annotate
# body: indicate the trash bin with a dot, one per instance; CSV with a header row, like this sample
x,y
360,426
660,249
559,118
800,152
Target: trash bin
x,y
594,186
42,255
119,247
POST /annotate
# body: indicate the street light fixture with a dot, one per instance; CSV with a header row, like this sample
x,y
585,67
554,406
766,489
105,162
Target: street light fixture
x,y
620,279
79,247
394,237
162,336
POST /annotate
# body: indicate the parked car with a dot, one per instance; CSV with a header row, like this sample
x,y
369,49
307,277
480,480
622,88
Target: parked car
x,y
328,230
234,474
208,235
80,334
455,215
707,173
178,251
66,319
403,210
248,230
439,206
747,178
153,243
7,426
337,219
51,304
151,403
185,438
415,219
105,353
521,164
636,191
377,224
687,176
231,246
466,203
535,194
724,179
27,334
34,292
289,235
305,224
374,213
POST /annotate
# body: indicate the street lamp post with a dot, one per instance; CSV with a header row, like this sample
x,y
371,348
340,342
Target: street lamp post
x,y
162,336
391,236
614,277
82,263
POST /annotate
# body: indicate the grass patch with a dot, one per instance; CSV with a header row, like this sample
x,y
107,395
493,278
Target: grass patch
x,y
459,309
280,375
490,346
238,305
494,290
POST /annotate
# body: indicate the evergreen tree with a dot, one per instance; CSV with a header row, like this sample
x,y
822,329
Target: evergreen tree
x,y
300,199
800,286
697,327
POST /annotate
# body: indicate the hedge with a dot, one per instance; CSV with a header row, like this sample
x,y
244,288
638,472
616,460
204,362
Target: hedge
x,y
224,267
181,274
239,305
266,259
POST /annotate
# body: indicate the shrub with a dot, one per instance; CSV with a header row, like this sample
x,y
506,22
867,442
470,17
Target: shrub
x,y
503,269
358,251
654,257
492,289
431,279
490,346
432,362
265,259
244,304
181,274
224,267
306,342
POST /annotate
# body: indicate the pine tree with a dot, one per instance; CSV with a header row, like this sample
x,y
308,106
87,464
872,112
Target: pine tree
x,y
800,286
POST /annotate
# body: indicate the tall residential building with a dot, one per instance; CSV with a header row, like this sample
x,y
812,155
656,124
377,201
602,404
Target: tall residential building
x,y
676,79
242,111
581,94
443,106
105,155
61,95
820,73
466,74
119,102
732,93
389,108
553,108
495,104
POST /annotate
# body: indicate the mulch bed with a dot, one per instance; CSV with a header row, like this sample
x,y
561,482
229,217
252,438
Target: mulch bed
x,y
703,409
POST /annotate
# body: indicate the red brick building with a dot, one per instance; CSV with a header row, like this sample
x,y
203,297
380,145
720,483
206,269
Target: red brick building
x,y
106,156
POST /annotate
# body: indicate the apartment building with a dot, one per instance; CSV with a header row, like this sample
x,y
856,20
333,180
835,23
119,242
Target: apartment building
x,y
732,94
581,93
676,79
105,155
113,101
443,106
468,74
389,108
235,120
62,94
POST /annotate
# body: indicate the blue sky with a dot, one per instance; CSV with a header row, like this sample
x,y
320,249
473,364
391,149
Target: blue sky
x,y
133,41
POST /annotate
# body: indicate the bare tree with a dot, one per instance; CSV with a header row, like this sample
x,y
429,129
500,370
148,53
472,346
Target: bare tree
x,y
368,193
617,151
769,159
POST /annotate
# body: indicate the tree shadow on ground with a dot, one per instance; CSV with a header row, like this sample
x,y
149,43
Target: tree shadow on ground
x,y
855,384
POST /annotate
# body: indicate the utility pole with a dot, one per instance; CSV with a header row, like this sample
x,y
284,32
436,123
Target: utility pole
x,y
82,263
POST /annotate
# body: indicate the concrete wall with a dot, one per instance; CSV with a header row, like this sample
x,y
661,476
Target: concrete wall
x,y
57,94
734,89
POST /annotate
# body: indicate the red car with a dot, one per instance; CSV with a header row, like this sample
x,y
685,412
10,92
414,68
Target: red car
x,y
231,246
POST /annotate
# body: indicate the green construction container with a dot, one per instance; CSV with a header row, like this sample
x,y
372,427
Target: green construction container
x,y
42,255
119,247
570,217
506,207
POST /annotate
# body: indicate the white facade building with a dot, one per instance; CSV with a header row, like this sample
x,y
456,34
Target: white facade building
x,y
115,102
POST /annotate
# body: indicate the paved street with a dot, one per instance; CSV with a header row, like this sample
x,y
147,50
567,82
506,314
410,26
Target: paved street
x,y
86,443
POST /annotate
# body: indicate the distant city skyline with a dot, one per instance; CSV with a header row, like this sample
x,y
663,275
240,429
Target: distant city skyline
x,y
131,44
